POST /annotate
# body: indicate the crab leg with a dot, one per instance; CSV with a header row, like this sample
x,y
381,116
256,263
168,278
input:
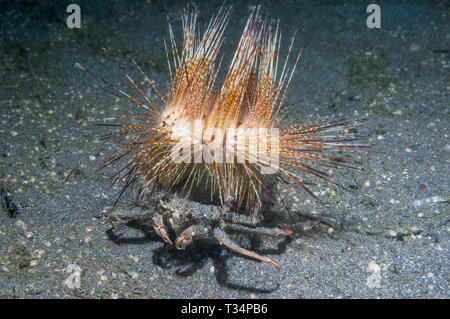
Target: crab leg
x,y
274,232
224,240
160,229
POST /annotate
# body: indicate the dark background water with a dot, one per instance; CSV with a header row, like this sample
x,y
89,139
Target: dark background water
x,y
392,226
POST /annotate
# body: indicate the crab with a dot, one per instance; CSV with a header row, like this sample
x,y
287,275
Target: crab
x,y
179,226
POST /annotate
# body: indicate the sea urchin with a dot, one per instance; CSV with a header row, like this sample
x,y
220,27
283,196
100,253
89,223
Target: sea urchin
x,y
228,139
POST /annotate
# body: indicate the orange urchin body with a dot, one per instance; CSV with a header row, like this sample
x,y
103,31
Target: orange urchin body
x,y
229,140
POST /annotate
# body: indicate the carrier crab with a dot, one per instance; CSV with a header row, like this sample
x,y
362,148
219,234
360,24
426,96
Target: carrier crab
x,y
180,226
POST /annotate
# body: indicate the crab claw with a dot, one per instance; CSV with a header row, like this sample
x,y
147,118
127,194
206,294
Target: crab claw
x,y
160,230
185,238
